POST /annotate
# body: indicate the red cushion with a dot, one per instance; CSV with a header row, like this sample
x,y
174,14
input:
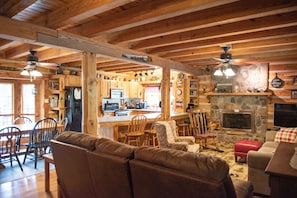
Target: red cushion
x,y
244,146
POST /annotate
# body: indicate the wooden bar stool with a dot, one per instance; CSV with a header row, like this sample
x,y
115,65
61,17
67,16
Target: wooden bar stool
x,y
183,129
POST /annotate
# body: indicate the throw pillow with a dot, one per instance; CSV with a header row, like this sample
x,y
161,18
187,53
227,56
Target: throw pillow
x,y
286,135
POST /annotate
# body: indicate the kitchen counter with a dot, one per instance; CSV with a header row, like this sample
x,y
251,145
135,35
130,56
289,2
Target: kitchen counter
x,y
109,126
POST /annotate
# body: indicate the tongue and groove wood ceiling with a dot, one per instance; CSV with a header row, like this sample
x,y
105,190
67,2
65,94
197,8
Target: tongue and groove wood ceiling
x,y
187,32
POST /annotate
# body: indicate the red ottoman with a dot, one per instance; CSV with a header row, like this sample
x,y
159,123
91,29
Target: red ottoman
x,y
242,147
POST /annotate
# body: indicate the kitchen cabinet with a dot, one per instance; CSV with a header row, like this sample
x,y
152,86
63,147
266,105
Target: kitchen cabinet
x,y
72,81
135,90
104,88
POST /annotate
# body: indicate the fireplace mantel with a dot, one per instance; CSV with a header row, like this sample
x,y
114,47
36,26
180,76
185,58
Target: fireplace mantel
x,y
239,94
209,94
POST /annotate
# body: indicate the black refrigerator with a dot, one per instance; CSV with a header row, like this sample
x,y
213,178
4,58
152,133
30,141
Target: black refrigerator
x,y
73,111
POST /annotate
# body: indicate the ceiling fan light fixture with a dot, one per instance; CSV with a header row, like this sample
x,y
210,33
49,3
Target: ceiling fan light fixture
x,y
218,72
229,72
36,73
25,73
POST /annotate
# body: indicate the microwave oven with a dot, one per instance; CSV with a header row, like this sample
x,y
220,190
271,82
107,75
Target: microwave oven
x,y
116,93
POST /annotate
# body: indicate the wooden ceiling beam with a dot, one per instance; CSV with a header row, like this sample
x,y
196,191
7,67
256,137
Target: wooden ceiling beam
x,y
236,46
236,53
237,11
79,10
16,7
22,50
73,57
142,14
253,36
30,33
247,26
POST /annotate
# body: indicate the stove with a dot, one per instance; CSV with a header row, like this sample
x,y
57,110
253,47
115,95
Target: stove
x,y
121,112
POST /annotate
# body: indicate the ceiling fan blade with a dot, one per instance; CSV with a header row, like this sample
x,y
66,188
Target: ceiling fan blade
x,y
44,64
218,59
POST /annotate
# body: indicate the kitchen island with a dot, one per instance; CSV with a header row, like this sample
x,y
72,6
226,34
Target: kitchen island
x,y
108,127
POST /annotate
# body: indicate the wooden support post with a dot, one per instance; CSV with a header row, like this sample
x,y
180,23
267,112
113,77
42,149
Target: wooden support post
x,y
165,90
89,90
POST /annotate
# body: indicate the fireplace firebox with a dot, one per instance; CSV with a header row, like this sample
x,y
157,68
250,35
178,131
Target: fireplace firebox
x,y
238,121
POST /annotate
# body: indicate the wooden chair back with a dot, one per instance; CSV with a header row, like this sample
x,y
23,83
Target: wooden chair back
x,y
137,124
8,139
22,120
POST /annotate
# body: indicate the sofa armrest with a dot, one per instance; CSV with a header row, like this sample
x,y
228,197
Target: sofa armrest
x,y
270,135
178,145
258,160
188,139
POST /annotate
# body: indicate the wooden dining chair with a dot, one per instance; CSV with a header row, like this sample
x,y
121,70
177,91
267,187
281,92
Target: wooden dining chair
x,y
8,148
22,120
135,132
150,134
22,143
39,141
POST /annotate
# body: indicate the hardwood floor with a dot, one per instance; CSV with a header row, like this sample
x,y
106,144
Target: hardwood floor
x,y
32,186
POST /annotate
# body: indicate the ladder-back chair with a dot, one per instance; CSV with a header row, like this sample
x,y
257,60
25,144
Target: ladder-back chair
x,y
135,132
8,148
200,129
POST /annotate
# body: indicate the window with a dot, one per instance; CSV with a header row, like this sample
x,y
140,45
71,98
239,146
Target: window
x,y
28,101
6,103
153,96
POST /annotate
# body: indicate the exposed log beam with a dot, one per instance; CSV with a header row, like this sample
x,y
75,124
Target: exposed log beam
x,y
245,10
253,36
79,10
247,26
253,44
40,35
147,12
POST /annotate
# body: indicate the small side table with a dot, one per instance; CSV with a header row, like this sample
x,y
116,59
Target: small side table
x,y
48,158
282,177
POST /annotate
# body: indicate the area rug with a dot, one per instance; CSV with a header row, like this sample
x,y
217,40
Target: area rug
x,y
8,173
226,152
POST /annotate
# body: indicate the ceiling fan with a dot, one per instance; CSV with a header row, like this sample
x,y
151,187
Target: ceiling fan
x,y
224,68
31,68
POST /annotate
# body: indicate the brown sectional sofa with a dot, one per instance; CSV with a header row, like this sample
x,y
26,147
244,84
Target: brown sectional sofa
x,y
87,166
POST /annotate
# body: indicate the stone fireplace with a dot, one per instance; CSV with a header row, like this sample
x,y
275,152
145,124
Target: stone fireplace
x,y
240,116
242,110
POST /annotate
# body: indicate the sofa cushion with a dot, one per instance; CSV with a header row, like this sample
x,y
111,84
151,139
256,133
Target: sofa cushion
x,y
107,146
78,139
169,170
192,163
286,135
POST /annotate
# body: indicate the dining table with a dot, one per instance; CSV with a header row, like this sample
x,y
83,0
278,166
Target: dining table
x,y
25,129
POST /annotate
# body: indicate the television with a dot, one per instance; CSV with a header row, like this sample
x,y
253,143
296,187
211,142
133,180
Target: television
x,y
285,115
